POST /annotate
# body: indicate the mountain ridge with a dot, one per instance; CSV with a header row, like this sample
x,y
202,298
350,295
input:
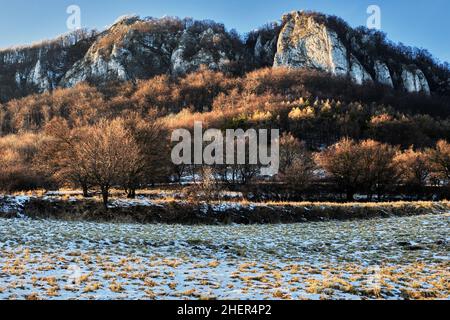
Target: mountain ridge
x,y
134,48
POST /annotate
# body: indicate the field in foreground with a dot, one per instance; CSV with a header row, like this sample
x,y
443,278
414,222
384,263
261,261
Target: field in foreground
x,y
394,258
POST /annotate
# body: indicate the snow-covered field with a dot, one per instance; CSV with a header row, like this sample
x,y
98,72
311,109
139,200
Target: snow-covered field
x,y
388,258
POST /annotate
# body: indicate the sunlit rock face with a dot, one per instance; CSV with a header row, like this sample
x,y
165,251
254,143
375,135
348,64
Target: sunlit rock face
x,y
313,41
96,66
127,50
142,48
414,80
306,43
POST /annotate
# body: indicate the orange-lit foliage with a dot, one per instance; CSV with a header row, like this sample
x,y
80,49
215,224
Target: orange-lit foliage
x,y
413,168
359,167
16,158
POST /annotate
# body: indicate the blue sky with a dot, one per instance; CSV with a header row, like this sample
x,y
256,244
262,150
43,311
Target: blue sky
x,y
418,23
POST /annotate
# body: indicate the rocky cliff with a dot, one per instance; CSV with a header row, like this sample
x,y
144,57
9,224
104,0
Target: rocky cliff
x,y
134,48
41,67
310,40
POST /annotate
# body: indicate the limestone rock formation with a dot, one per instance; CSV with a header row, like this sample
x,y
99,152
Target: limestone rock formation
x,y
262,44
139,49
127,50
40,67
314,41
206,45
414,80
305,43
357,71
382,74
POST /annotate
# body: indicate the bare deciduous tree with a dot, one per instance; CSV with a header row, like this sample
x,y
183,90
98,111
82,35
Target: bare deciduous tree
x,y
341,162
439,158
377,166
296,163
107,154
58,156
152,139
366,166
413,169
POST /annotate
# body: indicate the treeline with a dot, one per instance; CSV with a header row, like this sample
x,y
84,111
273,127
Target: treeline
x,y
131,153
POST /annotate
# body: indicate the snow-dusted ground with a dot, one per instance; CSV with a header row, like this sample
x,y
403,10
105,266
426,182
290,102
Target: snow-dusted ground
x,y
389,258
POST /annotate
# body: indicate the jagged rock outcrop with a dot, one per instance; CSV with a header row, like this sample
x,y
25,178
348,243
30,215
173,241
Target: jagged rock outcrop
x,y
262,44
357,71
41,67
127,50
95,66
414,80
382,74
206,44
305,43
315,41
139,49
42,79
265,50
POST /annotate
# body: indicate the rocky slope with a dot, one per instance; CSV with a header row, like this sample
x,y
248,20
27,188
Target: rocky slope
x,y
134,48
138,49
41,67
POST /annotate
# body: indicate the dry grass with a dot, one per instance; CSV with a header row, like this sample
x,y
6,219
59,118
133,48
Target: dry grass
x,y
396,204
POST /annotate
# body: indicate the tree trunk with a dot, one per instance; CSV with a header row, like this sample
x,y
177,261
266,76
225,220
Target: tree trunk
x,y
350,195
105,196
380,195
85,190
131,194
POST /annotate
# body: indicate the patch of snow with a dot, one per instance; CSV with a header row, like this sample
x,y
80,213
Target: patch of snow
x,y
13,204
128,203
